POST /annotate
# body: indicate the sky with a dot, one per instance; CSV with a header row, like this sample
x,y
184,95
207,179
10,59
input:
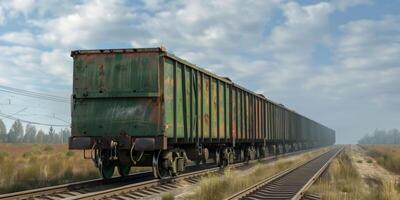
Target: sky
x,y
336,62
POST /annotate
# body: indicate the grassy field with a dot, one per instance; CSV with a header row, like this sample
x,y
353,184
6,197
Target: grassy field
x,y
343,181
215,187
388,156
27,166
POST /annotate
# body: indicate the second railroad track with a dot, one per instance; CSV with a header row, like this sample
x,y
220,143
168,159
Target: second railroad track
x,y
291,183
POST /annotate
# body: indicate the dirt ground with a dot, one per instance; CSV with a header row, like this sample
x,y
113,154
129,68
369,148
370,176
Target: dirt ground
x,y
370,171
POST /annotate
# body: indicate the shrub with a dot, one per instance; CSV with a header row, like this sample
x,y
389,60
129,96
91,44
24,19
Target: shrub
x,y
388,190
70,153
168,196
27,154
48,148
3,155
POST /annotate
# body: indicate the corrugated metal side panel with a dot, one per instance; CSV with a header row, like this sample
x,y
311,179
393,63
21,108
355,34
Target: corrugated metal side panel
x,y
196,104
169,83
115,75
234,115
116,94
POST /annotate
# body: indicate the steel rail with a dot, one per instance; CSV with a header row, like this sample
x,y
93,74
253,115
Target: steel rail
x,y
77,190
290,183
58,190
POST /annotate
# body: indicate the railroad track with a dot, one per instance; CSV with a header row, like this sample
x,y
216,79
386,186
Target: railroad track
x,y
137,185
291,183
73,189
156,187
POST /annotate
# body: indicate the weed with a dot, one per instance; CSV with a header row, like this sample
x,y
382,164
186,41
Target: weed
x,y
27,154
388,191
48,148
168,196
70,153
3,155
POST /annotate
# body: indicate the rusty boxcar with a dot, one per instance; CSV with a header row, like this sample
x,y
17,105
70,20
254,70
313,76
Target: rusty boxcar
x,y
147,107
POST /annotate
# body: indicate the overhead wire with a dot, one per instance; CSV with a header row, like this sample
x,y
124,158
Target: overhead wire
x,y
34,94
37,95
32,122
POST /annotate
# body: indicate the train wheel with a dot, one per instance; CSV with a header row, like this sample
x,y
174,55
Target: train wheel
x,y
264,152
241,155
160,166
205,155
106,170
124,170
202,156
106,167
227,157
217,157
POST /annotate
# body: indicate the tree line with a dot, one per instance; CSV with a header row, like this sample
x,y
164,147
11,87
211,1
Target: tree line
x,y
17,134
382,137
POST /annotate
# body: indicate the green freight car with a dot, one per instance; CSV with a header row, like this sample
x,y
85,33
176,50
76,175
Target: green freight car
x,y
147,107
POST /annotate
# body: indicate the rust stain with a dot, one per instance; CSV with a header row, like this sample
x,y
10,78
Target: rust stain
x,y
101,77
169,81
101,70
207,118
234,129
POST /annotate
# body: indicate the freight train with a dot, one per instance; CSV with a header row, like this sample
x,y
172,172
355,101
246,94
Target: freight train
x,y
148,107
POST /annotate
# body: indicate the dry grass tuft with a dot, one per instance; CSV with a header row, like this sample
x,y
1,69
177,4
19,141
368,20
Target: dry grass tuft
x,y
388,191
168,196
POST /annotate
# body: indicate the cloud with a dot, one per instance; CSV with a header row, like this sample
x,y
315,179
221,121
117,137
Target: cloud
x,y
380,38
89,23
20,38
365,58
14,8
290,45
2,17
58,63
296,38
4,81
27,67
345,4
